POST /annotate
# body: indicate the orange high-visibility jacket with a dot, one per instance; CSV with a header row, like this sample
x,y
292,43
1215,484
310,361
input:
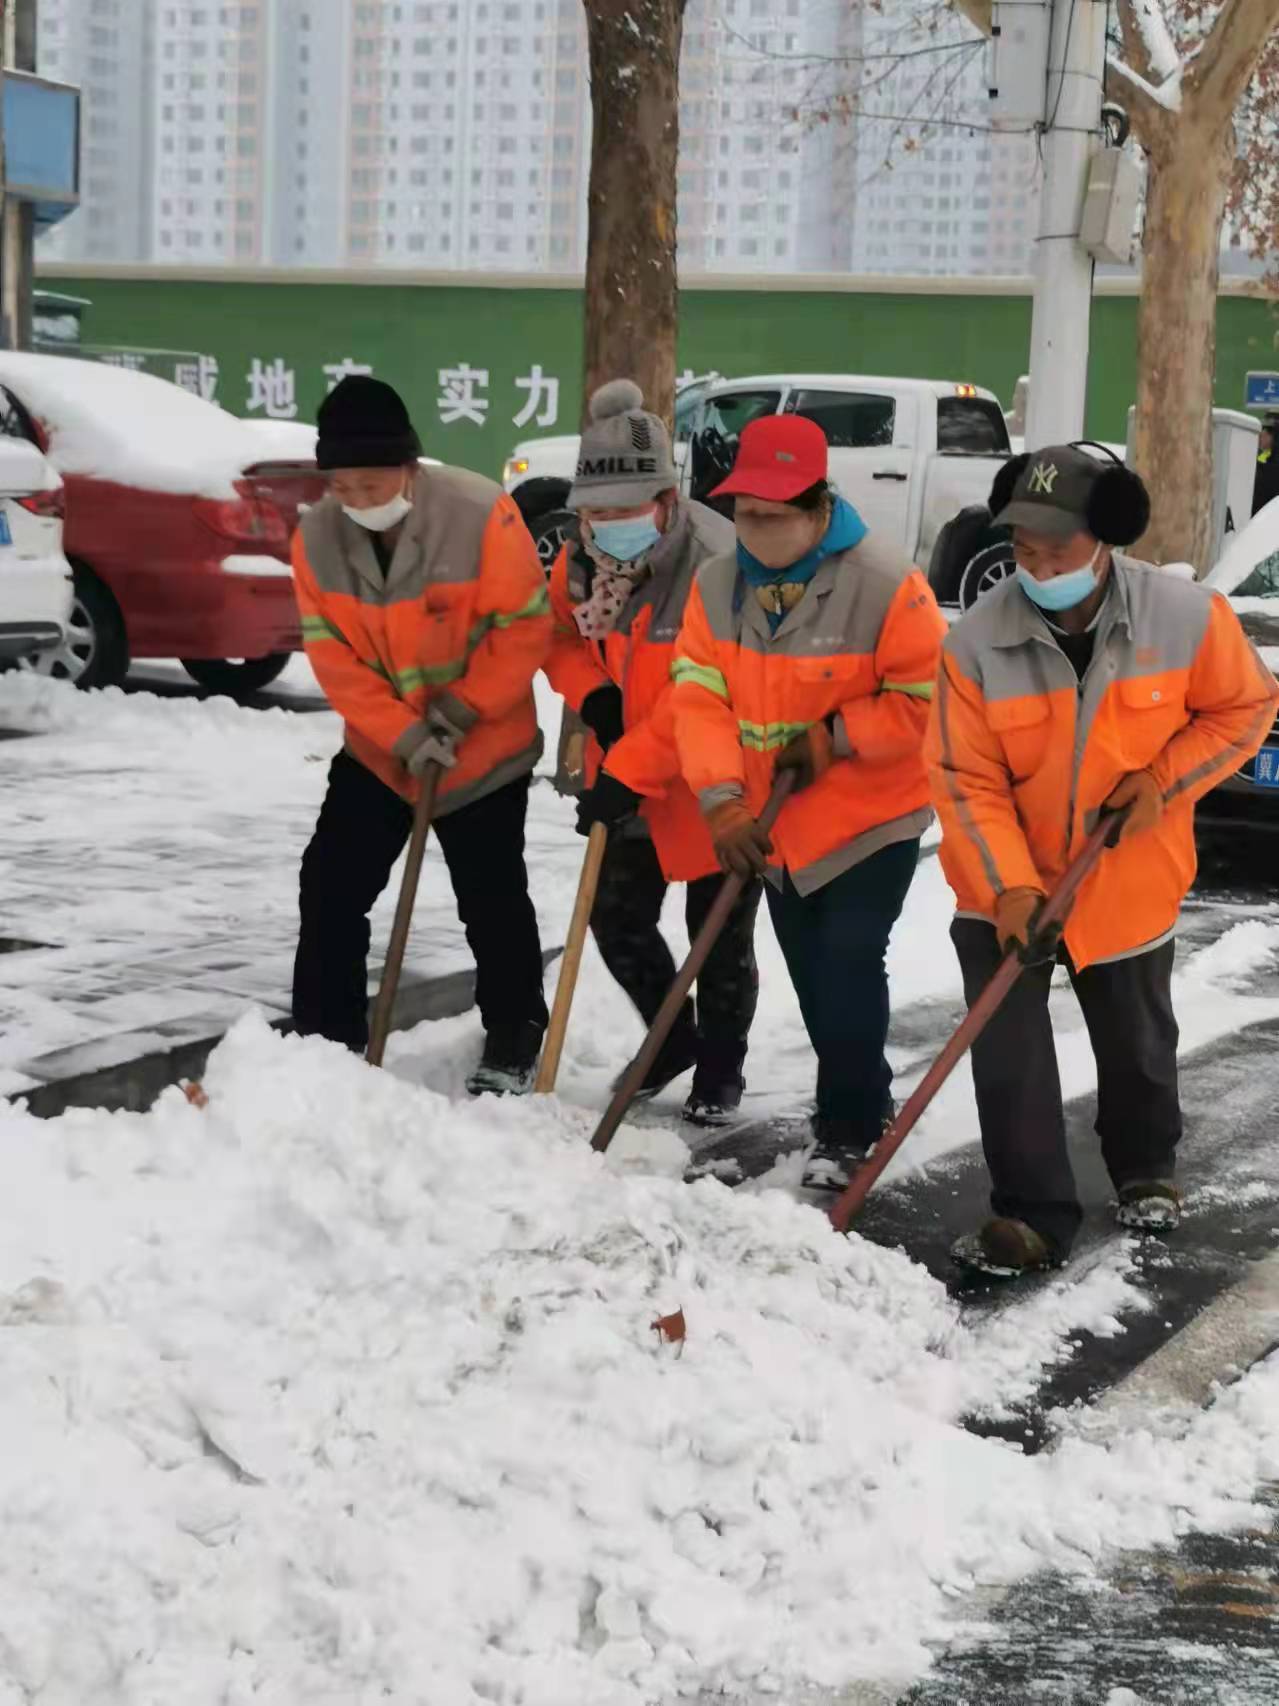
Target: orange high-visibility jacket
x,y
461,618
862,644
636,657
1021,754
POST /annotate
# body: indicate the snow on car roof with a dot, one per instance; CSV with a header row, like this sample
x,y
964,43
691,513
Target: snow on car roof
x,y
848,381
109,423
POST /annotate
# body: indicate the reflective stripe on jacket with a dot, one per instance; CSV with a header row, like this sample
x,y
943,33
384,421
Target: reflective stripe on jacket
x,y
460,618
1021,754
636,657
860,646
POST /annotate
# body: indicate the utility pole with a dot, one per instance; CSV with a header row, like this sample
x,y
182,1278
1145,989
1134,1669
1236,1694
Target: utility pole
x,y
1063,268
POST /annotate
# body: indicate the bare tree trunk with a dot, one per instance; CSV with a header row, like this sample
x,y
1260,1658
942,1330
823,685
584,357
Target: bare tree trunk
x,y
1177,340
1190,144
631,286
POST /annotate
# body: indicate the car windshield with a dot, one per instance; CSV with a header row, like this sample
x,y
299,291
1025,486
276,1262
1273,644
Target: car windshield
x,y
1249,564
687,403
713,447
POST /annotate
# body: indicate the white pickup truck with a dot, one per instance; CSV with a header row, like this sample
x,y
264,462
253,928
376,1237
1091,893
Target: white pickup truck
x,y
908,453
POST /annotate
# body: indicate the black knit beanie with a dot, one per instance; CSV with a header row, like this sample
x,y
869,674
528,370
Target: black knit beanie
x,y
363,424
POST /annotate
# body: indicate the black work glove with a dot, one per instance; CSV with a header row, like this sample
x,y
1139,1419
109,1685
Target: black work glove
x,y
609,802
602,713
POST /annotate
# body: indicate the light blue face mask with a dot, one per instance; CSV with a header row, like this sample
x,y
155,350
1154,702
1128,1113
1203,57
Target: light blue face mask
x,y
1062,592
626,540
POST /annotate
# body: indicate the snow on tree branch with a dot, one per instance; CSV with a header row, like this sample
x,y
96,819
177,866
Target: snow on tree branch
x,y
1162,59
1167,95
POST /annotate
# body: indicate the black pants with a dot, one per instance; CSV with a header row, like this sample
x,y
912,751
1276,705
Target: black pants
x,y
362,831
628,908
834,941
1127,1007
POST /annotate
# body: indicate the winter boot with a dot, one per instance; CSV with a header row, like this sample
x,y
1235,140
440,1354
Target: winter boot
x,y
509,1062
676,1055
713,1100
1004,1249
717,1084
1149,1205
839,1149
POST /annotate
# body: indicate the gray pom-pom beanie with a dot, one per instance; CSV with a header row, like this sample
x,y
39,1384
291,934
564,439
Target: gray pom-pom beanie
x,y
625,455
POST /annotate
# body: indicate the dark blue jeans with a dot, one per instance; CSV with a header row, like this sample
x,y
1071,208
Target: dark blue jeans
x,y
834,942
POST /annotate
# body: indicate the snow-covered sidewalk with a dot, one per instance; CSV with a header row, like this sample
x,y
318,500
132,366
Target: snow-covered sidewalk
x,y
337,1391
149,850
344,1389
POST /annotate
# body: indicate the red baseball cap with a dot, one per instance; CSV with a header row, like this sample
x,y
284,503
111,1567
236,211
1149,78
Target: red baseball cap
x,y
778,457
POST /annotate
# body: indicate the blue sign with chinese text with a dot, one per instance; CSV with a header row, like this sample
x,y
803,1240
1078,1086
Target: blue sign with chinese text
x,y
1261,391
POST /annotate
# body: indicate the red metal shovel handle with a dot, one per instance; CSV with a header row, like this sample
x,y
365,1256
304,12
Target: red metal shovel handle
x,y
1052,912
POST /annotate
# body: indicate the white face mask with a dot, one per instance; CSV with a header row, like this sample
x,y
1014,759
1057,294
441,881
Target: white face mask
x,y
381,516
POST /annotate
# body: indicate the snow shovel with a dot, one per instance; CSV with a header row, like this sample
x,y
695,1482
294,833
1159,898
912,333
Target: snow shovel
x,y
423,812
670,1009
570,964
979,1015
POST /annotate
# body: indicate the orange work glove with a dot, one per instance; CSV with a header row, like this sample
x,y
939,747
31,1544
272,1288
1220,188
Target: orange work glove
x,y
1015,911
808,755
1140,790
741,846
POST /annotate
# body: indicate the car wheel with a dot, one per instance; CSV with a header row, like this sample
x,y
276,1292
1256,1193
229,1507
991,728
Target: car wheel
x,y
236,677
985,570
550,533
94,651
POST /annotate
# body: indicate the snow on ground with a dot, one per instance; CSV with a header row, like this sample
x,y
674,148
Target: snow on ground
x,y
337,1391
340,1391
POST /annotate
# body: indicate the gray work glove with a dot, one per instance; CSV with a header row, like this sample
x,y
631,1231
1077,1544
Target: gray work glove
x,y
434,740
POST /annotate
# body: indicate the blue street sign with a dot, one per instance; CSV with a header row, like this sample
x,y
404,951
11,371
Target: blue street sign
x,y
1262,391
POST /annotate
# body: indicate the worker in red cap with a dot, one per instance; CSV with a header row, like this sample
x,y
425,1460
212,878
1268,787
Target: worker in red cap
x,y
813,649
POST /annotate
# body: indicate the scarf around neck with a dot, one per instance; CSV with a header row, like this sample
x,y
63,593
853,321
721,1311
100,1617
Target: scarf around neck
x,y
780,590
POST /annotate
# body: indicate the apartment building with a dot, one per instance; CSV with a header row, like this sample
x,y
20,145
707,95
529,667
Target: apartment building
x,y
456,134
100,45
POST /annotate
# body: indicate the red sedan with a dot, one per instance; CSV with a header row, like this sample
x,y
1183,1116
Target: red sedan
x,y
178,520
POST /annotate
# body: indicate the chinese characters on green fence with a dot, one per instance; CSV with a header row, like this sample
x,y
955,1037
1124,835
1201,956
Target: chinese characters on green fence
x,y
463,390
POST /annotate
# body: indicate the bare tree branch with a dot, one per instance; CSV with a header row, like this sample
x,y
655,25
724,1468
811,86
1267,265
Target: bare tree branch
x,y
1221,71
1153,111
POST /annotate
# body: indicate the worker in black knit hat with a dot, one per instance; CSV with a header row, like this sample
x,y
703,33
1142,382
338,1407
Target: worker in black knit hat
x,y
425,616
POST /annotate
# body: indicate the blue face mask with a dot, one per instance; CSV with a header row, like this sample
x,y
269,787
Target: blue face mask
x,y
626,540
1062,592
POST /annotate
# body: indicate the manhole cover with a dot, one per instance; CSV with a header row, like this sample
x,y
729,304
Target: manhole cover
x,y
16,945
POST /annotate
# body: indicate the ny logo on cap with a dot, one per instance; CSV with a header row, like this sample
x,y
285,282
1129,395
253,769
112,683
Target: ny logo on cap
x,y
1043,477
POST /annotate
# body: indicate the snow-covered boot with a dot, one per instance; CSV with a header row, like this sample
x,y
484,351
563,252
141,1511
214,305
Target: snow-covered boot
x,y
1005,1249
839,1149
1149,1205
713,1100
717,1083
509,1062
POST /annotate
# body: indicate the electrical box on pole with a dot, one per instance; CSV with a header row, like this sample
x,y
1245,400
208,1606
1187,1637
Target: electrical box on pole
x,y
1017,66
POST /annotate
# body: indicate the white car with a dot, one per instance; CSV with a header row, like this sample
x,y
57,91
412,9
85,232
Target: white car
x,y
35,577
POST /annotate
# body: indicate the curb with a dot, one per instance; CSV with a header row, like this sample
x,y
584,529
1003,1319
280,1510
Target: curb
x,y
132,1082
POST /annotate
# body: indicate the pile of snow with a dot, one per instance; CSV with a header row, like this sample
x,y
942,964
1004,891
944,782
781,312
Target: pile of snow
x,y
334,1391
107,423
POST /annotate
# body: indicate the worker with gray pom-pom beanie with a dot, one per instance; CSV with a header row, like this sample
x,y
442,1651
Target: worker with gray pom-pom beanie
x,y
618,593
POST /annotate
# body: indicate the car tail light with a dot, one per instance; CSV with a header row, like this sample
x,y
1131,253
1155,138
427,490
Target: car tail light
x,y
52,506
243,521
